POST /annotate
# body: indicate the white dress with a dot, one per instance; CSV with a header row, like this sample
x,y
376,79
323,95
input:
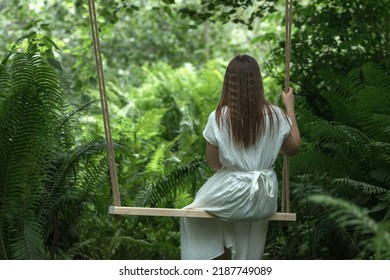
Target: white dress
x,y
243,194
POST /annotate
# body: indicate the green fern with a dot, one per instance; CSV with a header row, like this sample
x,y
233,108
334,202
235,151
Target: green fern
x,y
364,187
162,193
28,115
352,217
182,200
344,155
28,244
155,165
77,251
39,159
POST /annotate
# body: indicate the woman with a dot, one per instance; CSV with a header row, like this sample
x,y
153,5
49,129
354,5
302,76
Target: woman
x,y
244,136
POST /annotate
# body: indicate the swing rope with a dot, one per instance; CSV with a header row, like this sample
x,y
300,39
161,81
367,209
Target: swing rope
x,y
117,209
287,51
103,102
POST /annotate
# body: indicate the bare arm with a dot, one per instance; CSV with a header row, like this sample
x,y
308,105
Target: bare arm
x,y
212,156
291,144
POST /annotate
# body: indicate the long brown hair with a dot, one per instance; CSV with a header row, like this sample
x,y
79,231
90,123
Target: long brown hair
x,y
243,98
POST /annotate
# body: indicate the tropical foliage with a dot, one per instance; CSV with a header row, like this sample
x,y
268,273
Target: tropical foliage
x,y
37,155
345,164
163,78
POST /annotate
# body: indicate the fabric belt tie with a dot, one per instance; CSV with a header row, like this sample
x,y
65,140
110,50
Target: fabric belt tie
x,y
253,177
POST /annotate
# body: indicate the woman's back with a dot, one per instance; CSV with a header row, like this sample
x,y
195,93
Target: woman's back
x,y
261,155
244,136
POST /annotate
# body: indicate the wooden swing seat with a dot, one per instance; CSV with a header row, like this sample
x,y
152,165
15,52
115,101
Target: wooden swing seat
x,y
193,213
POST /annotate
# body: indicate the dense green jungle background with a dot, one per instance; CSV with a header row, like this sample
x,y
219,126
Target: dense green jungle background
x,y
164,62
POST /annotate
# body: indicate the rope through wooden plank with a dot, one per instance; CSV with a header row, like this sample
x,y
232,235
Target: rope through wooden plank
x,y
193,213
103,101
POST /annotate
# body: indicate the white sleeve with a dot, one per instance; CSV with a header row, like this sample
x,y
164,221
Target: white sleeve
x,y
209,130
284,123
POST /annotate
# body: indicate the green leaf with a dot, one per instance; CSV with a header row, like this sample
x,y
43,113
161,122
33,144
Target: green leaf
x,y
55,63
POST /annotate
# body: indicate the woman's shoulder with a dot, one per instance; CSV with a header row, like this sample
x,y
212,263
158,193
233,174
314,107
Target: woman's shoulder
x,y
276,109
223,114
212,115
211,120
279,115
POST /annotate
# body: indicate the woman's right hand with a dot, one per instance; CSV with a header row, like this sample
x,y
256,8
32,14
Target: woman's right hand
x,y
291,144
288,98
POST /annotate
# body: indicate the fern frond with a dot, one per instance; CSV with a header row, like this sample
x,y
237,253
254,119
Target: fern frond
x,y
166,187
382,248
370,74
22,71
120,239
155,165
367,188
63,166
306,162
27,243
17,44
94,178
346,154
182,200
30,114
5,81
147,124
76,251
349,215
382,176
322,130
